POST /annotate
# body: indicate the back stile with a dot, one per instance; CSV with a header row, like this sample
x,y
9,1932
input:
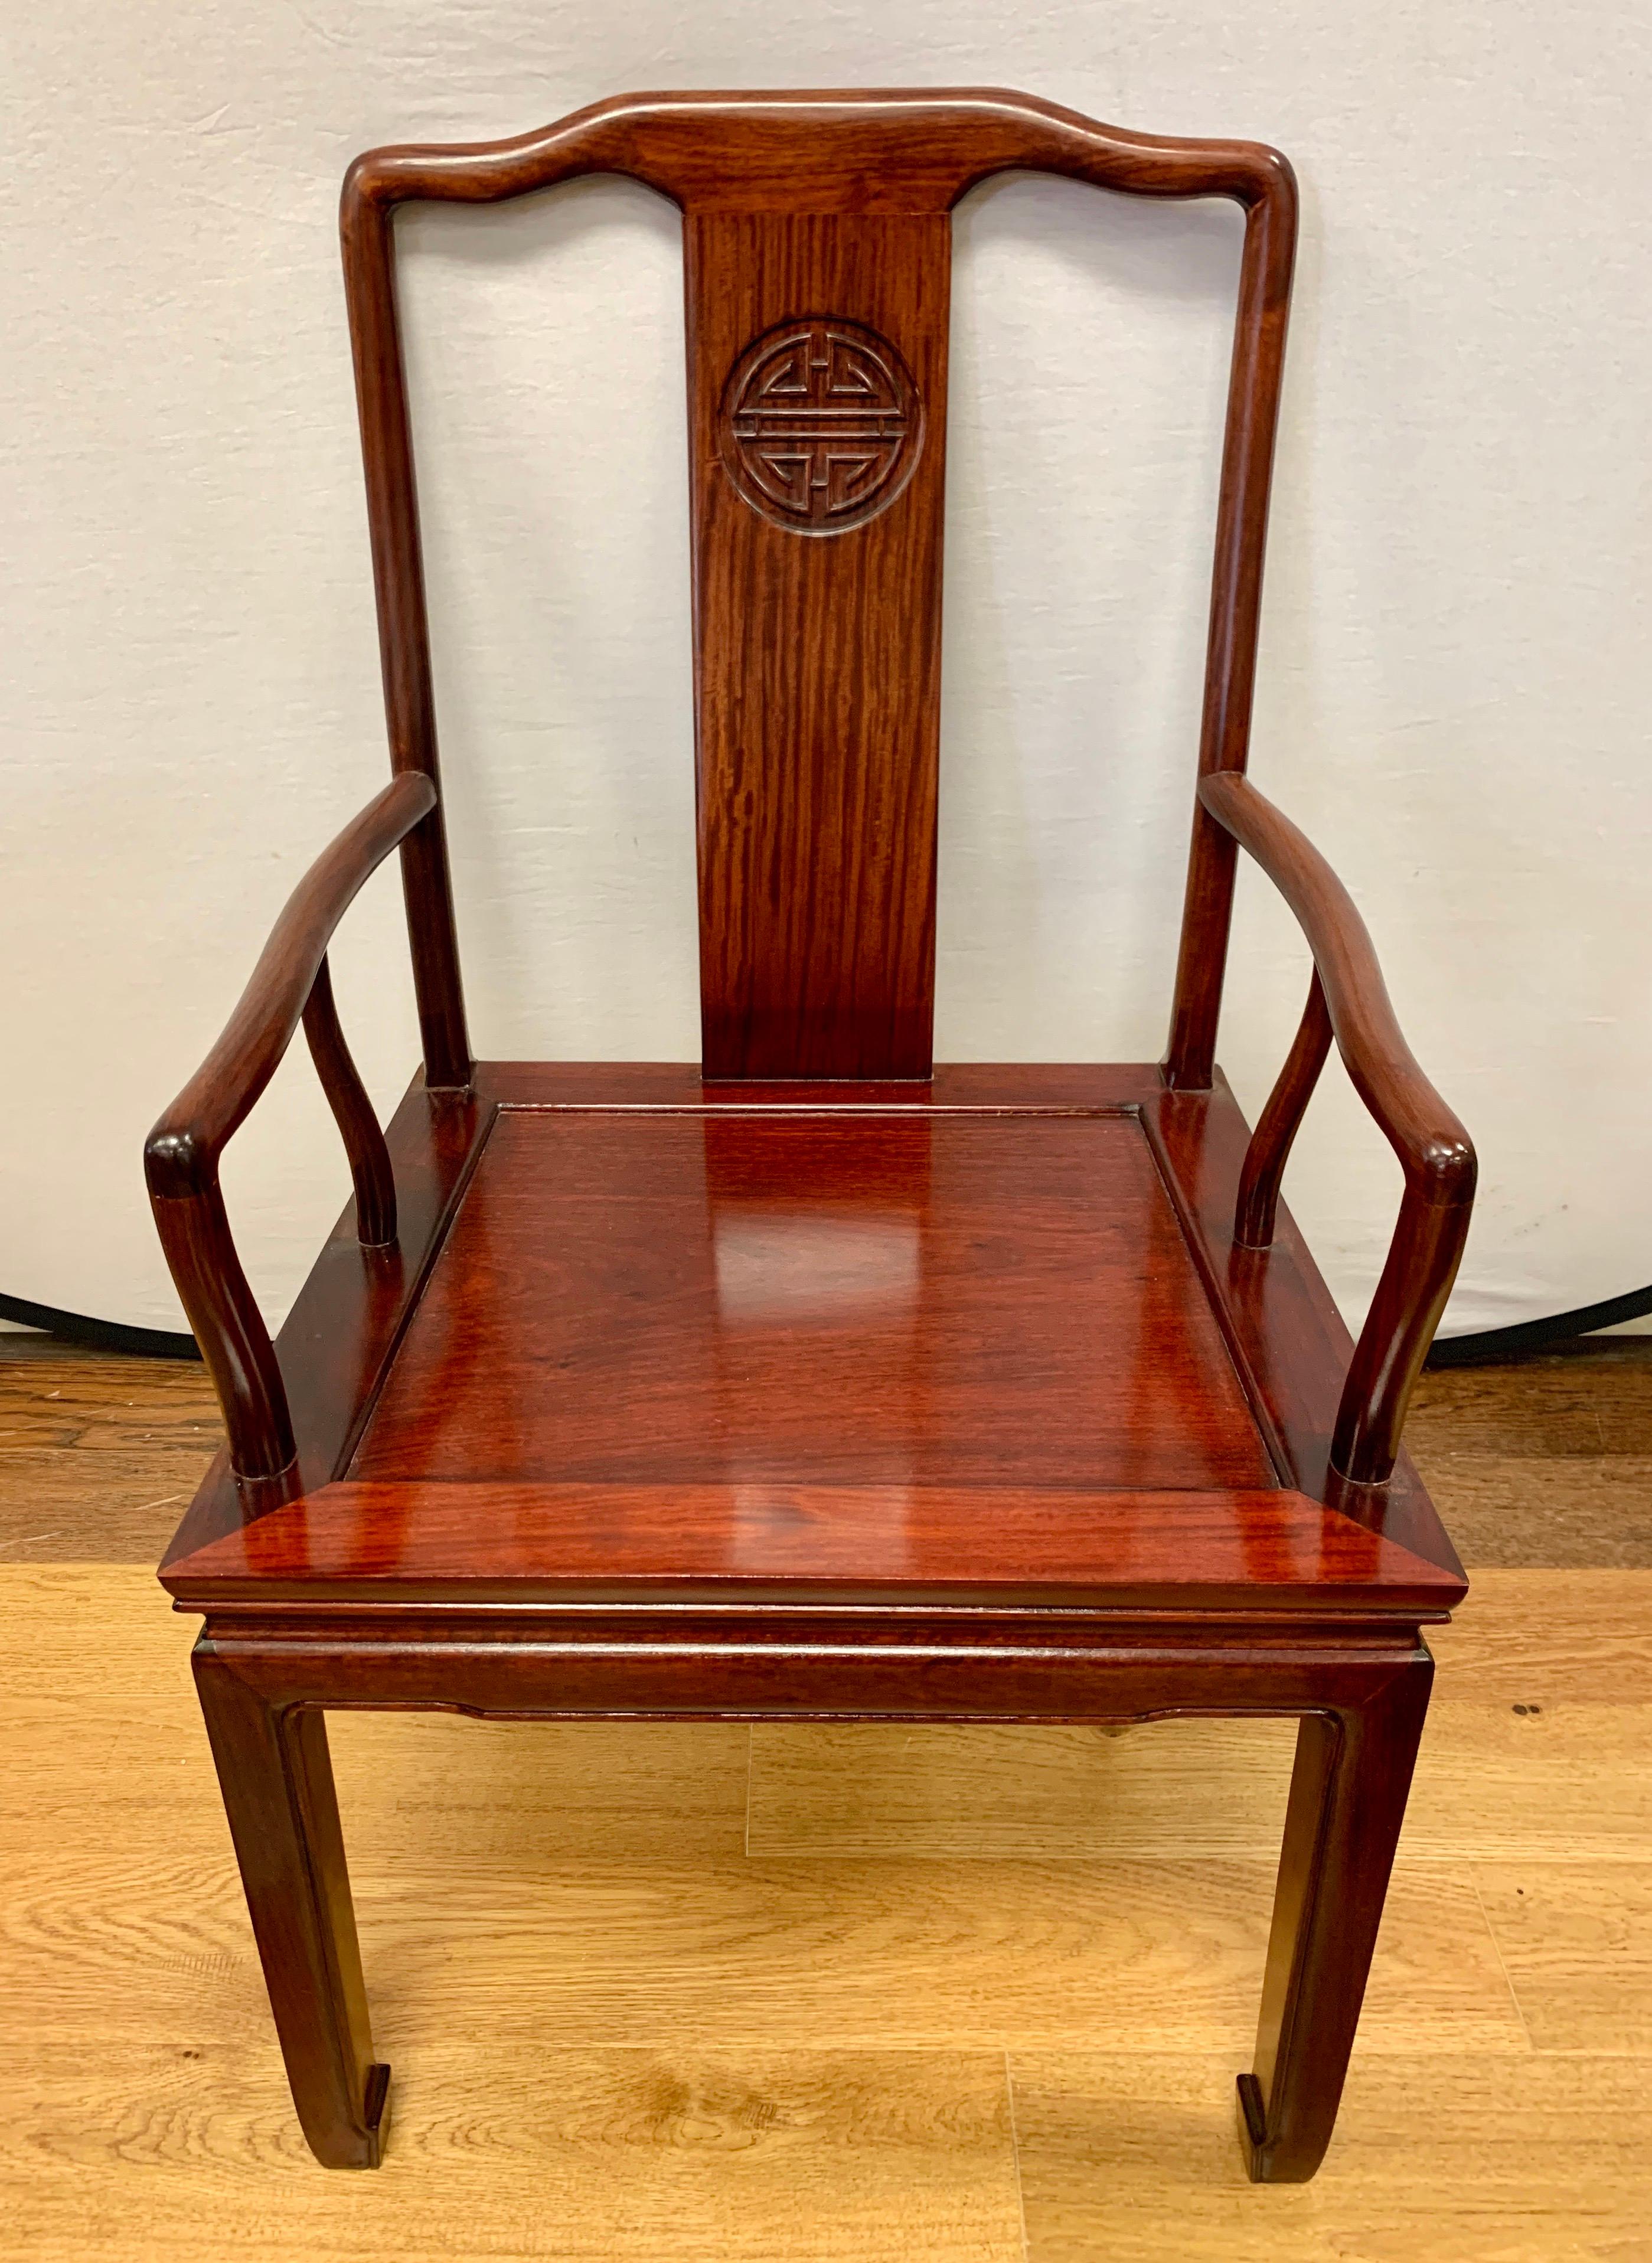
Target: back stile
x,y
398,575
1236,603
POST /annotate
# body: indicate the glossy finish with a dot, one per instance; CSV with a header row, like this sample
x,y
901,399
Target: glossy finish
x,y
724,1298
1433,1148
490,1541
1276,1126
1348,1792
817,656
370,1169
803,1383
181,1155
277,1785
818,673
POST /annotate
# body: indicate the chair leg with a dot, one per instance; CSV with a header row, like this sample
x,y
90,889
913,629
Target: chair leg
x,y
277,1781
1348,1792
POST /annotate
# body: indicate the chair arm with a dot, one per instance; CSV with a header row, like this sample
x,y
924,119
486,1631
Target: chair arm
x,y
290,983
1433,1148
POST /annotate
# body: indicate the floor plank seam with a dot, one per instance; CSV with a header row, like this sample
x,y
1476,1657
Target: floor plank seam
x,y
1503,1967
1015,2157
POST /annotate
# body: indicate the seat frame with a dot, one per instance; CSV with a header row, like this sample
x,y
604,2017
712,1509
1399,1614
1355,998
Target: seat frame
x,y
814,1016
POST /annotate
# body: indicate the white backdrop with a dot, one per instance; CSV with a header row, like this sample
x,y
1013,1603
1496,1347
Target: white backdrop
x,y
1455,667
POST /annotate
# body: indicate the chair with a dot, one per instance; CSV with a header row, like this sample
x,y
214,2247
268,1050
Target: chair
x,y
817,1381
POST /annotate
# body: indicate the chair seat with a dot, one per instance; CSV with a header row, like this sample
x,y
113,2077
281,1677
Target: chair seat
x,y
875,1352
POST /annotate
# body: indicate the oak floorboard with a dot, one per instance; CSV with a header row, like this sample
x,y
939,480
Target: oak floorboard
x,y
929,1955
1535,1637
1159,1788
1564,1513
1565,1782
1577,1944
1557,1781
1131,2158
99,1454
545,1791
501,2151
1588,1398
610,1905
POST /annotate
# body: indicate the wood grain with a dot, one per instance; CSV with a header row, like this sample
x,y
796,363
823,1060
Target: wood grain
x,y
1168,1789
1489,2161
818,676
1545,1460
1567,1782
625,2038
182,1154
760,1542
99,1455
619,2157
1575,1940
1434,1150
1562,1781
788,199
897,1414
737,1299
1537,1636
1562,1512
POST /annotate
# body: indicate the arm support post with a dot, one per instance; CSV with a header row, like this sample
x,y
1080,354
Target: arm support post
x,y
181,1156
1277,1127
1433,1148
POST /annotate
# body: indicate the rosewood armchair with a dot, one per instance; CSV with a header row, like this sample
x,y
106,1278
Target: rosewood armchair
x,y
816,1380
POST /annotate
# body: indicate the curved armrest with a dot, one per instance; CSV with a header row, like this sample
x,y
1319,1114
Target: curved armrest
x,y
290,983
1349,995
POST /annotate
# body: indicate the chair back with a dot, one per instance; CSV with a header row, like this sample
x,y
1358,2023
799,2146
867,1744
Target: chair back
x,y
817,259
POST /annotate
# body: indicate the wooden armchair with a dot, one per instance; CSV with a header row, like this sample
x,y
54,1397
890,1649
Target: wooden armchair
x,y
817,1381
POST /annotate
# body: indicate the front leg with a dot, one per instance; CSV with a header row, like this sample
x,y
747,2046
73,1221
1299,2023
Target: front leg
x,y
277,1781
1348,1793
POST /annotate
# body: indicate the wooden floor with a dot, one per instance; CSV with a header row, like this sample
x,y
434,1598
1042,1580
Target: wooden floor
x,y
698,1993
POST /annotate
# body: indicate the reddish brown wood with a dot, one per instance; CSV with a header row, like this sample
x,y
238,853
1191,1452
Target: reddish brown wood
x,y
490,1540
796,1383
676,1300
804,1661
370,1170
347,1320
219,1306
940,1666
1284,1331
978,1088
818,651
180,1156
1433,1148
181,1153
404,640
1235,606
277,1781
1278,1124
1348,1793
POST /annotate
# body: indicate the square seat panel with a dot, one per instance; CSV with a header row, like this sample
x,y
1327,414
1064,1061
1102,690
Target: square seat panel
x,y
750,1299
854,1354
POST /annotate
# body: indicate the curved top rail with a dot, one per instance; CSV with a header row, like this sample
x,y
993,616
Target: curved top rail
x,y
1432,1146
867,151
181,1154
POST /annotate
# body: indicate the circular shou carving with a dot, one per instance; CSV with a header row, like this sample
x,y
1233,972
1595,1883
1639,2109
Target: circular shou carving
x,y
821,426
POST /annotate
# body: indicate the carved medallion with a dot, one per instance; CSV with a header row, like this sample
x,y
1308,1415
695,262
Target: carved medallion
x,y
821,426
